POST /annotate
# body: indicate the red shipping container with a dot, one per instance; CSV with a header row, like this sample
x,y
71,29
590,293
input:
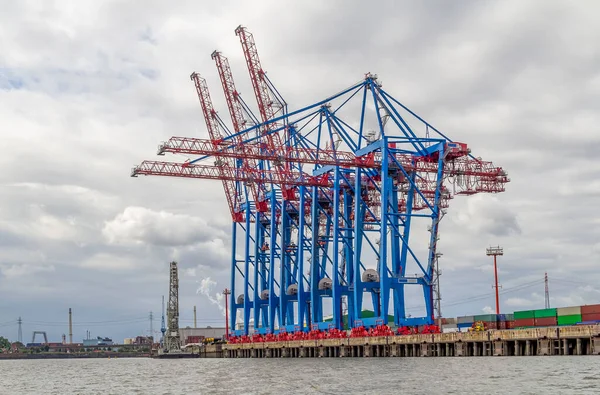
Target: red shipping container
x,y
501,324
546,321
510,324
590,317
524,322
491,325
591,309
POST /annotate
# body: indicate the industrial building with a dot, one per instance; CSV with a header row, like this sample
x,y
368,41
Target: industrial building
x,y
99,341
197,335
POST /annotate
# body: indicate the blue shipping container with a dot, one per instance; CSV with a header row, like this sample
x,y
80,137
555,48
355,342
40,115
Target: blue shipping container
x,y
464,325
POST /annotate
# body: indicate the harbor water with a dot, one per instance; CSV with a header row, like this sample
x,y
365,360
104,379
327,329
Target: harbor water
x,y
482,375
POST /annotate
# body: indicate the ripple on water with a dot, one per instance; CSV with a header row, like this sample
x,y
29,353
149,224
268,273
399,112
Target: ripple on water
x,y
518,375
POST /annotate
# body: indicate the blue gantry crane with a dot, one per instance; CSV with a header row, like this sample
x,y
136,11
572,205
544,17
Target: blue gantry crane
x,y
324,200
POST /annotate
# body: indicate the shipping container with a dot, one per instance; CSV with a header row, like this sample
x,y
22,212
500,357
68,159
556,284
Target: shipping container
x,y
194,339
544,313
562,311
590,317
451,321
464,319
569,319
464,324
510,324
450,330
591,309
502,325
449,326
510,317
588,322
545,321
524,322
519,315
486,317
491,324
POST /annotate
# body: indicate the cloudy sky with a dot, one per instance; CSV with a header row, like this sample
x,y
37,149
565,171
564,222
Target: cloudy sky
x,y
88,89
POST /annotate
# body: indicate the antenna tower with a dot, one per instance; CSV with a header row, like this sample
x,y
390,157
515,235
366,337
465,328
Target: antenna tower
x,y
20,321
151,318
547,292
163,328
495,251
172,342
70,326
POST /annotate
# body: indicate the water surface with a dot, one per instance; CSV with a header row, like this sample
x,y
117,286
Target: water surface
x,y
475,375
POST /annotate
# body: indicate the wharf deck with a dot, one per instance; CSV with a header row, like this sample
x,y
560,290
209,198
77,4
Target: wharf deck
x,y
572,340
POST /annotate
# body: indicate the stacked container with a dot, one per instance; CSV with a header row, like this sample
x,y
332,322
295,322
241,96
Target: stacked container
x,y
590,313
545,317
465,322
524,319
505,321
448,325
490,320
569,315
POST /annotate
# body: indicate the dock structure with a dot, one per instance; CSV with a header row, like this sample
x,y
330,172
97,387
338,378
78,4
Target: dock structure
x,y
575,340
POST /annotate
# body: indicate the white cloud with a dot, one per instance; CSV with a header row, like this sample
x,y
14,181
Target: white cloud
x,y
144,226
487,215
109,262
488,310
90,89
24,270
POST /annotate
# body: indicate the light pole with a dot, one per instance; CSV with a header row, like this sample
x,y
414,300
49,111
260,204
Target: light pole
x,y
226,292
495,251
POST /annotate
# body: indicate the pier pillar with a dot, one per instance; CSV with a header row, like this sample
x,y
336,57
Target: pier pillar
x,y
459,349
544,347
498,348
595,345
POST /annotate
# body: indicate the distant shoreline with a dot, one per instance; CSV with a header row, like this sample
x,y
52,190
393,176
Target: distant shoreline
x,y
62,355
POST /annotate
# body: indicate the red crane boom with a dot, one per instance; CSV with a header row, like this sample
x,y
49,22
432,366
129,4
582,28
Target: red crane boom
x,y
469,175
227,165
265,101
239,124
212,172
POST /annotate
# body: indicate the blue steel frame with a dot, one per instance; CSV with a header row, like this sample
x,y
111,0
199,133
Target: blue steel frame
x,y
334,225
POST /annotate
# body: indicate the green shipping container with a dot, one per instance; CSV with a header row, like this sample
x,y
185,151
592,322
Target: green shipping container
x,y
544,313
569,319
519,315
486,317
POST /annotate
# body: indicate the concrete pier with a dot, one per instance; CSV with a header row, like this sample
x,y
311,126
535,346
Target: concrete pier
x,y
572,340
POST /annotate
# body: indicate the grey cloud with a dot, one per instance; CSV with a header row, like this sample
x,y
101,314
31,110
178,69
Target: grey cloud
x,y
86,98
141,225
